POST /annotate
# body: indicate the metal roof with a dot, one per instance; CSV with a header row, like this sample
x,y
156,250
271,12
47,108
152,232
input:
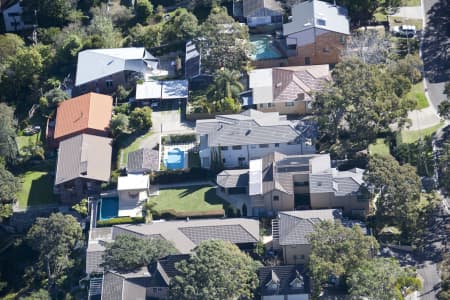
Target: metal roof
x,y
170,89
133,182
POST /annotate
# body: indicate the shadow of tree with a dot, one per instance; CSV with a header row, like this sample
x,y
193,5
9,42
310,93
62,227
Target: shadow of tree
x,y
41,191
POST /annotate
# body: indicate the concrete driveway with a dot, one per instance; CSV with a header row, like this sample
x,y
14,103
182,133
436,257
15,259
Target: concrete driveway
x,y
411,12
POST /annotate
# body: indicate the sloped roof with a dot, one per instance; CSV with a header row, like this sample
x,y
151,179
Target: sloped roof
x,y
143,159
286,83
84,156
90,110
319,14
286,275
260,8
192,65
233,178
163,270
295,226
124,286
248,128
94,64
341,183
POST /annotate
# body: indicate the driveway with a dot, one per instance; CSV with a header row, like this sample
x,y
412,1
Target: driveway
x,y
411,12
423,118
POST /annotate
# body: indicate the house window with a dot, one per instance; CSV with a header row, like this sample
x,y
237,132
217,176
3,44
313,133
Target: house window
x,y
224,160
263,145
288,104
307,60
261,105
270,105
109,83
236,147
277,145
302,183
276,198
321,22
155,290
343,39
159,289
224,148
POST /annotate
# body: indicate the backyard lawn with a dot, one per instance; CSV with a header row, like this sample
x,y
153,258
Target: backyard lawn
x,y
189,201
418,94
37,189
408,137
379,147
27,140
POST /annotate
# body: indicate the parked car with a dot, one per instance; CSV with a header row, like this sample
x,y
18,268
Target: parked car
x,y
408,31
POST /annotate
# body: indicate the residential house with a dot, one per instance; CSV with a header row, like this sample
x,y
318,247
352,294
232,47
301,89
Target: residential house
x,y
185,235
291,229
287,90
13,19
133,191
317,33
125,286
143,161
278,182
103,70
169,94
288,282
233,140
84,162
258,12
89,113
193,69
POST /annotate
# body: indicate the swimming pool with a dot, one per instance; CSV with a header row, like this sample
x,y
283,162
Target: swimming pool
x,y
175,159
108,208
263,48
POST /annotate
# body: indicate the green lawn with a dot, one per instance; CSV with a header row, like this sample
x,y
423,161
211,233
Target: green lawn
x,y
129,144
410,3
408,137
418,94
379,147
397,21
26,140
189,201
37,189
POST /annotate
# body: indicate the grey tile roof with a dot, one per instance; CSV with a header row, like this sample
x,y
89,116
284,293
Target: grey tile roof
x,y
248,128
285,275
143,160
84,156
235,234
295,226
121,286
112,286
341,183
306,15
163,270
261,8
233,178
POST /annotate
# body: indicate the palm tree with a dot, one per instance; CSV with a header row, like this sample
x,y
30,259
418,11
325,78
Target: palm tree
x,y
226,85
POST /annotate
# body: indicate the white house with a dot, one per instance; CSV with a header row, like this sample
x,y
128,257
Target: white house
x,y
133,191
234,140
258,12
12,17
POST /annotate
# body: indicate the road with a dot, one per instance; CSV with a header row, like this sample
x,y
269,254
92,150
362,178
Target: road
x,y
436,48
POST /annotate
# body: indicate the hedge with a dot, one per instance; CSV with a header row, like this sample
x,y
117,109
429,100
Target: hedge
x,y
120,220
179,139
171,176
173,214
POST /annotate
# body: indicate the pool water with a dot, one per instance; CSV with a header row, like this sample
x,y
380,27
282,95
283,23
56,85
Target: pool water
x,y
263,48
175,159
109,208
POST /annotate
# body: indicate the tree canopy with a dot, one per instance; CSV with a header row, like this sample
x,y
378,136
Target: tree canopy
x,y
216,270
10,186
49,12
141,118
8,145
182,25
128,252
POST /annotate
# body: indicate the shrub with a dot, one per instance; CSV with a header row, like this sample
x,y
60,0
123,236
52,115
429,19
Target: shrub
x,y
179,138
171,176
120,220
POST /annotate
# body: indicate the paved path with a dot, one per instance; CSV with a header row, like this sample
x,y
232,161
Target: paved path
x,y
411,12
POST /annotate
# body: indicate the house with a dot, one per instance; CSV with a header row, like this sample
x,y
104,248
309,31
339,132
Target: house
x,y
291,229
258,12
89,113
185,235
133,192
103,70
233,140
13,18
317,33
142,161
84,162
169,94
124,286
283,282
193,69
278,182
287,90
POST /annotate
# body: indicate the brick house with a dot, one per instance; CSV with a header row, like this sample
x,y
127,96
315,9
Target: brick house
x,y
317,33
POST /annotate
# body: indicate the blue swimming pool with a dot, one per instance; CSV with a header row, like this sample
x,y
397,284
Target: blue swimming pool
x,y
263,48
175,159
108,208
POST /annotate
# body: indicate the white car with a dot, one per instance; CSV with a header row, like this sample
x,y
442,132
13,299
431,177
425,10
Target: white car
x,y
408,31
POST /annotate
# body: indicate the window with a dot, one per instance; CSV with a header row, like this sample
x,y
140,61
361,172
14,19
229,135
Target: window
x,y
326,49
343,39
277,145
109,83
159,289
288,104
240,159
155,290
303,183
263,145
224,148
253,146
261,105
321,22
276,198
270,105
236,147
307,60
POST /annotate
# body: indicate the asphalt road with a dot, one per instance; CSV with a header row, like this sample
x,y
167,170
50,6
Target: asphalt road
x,y
436,48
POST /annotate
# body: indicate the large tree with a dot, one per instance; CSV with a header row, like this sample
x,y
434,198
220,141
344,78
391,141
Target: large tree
x,y
49,12
10,185
216,270
381,279
103,31
223,42
141,118
337,251
54,238
398,188
444,106
143,10
8,145
129,252
9,44
182,25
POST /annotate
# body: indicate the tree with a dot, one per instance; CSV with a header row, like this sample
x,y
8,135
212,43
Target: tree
x,y
49,12
216,270
359,11
444,106
119,124
399,193
8,145
368,45
102,29
181,26
9,44
220,34
49,102
10,186
226,85
143,10
380,279
37,295
147,36
408,67
54,238
337,251
141,118
129,252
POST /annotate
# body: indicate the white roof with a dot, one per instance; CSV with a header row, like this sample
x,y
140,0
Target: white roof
x,y
255,177
133,182
317,14
98,63
320,163
261,83
171,89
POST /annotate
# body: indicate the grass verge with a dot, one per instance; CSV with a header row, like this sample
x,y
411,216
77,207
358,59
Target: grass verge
x,y
408,137
417,93
129,144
